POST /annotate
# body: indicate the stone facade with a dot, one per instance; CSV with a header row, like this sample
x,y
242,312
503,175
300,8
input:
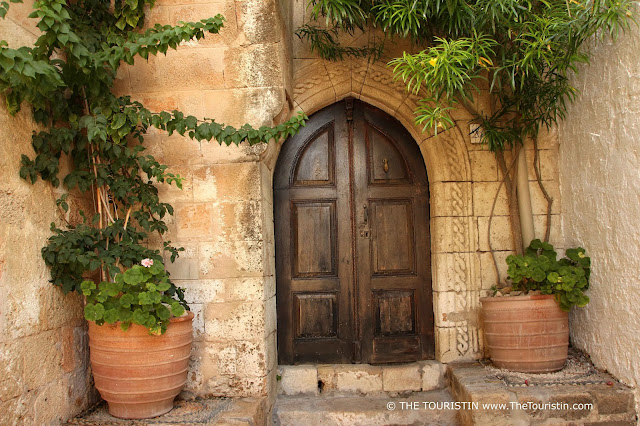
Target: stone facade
x,y
600,183
254,71
44,377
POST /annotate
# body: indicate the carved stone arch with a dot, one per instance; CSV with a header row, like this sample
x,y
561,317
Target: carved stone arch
x,y
318,84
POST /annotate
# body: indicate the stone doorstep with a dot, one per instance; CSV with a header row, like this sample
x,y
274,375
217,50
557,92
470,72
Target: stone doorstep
x,y
360,379
471,382
418,408
198,411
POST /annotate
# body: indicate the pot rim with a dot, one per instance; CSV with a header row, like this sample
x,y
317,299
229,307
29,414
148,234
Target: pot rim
x,y
189,316
517,298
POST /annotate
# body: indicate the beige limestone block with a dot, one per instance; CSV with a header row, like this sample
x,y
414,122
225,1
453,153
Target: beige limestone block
x,y
340,76
271,320
299,379
312,88
231,259
42,358
185,267
271,351
251,358
233,182
484,194
203,291
432,374
538,201
188,11
327,376
195,220
259,21
488,270
463,342
11,370
248,289
500,233
176,150
446,157
453,234
451,199
198,320
483,166
456,271
359,71
452,308
241,220
171,193
364,379
235,321
183,69
401,378
255,65
556,238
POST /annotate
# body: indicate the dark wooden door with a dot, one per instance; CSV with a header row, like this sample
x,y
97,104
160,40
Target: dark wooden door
x,y
352,241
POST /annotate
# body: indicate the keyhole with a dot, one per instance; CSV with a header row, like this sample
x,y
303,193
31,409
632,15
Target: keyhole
x,y
385,165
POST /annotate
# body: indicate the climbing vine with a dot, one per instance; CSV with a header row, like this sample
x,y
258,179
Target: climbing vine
x,y
67,80
517,56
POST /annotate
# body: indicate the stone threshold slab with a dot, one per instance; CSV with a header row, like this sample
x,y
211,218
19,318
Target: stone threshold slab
x,y
418,408
194,412
496,403
360,379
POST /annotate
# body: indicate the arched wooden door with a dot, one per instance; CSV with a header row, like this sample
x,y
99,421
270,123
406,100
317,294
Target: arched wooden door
x,y
352,241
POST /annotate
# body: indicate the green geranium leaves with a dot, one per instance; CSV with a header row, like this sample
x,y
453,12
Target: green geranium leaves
x,y
539,269
140,295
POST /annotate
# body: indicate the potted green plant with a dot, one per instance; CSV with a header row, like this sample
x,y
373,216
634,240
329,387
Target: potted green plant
x,y
140,340
527,325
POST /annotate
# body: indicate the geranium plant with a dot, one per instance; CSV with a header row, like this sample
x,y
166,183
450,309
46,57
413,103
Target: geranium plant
x,y
539,269
143,294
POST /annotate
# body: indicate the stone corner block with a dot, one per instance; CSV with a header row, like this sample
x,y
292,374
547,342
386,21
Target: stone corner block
x,y
432,374
298,379
402,378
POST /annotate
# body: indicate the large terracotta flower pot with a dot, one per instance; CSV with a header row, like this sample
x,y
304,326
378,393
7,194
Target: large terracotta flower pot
x,y
138,374
526,333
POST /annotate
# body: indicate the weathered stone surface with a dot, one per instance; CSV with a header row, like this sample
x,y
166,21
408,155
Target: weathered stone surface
x,y
420,408
298,379
402,378
365,379
432,374
483,166
566,404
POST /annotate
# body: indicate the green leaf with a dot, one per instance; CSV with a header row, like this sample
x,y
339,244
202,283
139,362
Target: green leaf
x,y
94,312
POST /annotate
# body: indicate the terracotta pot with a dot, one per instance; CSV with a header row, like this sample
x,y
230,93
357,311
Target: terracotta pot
x,y
138,374
526,333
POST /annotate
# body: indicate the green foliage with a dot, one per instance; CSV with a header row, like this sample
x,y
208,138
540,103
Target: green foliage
x,y
67,79
539,269
522,51
140,295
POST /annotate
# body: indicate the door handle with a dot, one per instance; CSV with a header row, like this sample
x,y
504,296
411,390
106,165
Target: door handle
x,y
366,214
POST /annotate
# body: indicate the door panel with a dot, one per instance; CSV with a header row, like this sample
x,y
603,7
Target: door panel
x,y
352,241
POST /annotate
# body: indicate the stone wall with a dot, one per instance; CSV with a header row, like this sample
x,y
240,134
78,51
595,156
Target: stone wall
x,y
600,183
43,339
223,216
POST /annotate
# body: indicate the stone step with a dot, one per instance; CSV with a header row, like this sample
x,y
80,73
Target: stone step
x,y
418,408
360,379
495,397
